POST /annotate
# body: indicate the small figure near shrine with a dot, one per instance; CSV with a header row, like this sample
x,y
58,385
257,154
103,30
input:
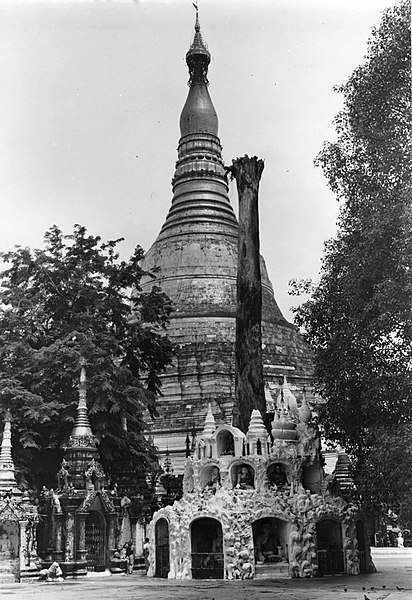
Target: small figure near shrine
x,y
400,540
129,557
146,554
56,501
244,479
246,570
53,573
5,545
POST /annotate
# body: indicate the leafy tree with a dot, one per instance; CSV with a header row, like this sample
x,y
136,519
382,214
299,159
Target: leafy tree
x,y
385,475
70,302
358,318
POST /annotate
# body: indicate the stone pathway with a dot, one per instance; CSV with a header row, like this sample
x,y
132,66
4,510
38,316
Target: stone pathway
x,y
394,569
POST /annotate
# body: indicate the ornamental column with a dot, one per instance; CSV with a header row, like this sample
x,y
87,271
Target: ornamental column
x,y
81,542
111,541
58,551
23,544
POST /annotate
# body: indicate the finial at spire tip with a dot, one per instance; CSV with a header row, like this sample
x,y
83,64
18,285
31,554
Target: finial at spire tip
x,y
197,25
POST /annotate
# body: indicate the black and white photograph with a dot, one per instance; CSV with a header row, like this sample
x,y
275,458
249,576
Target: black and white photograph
x,y
205,299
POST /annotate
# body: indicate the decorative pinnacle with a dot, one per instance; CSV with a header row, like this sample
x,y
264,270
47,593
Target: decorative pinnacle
x,y
82,425
198,56
197,26
5,455
210,424
7,478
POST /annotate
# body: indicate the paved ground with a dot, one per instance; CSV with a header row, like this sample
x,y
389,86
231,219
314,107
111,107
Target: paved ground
x,y
394,569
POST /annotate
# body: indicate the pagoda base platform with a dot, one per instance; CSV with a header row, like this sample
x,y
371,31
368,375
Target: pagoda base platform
x,y
9,569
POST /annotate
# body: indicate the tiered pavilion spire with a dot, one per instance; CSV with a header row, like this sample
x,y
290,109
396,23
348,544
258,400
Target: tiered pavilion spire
x,y
7,471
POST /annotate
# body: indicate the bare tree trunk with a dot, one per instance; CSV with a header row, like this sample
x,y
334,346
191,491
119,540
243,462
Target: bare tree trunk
x,y
249,387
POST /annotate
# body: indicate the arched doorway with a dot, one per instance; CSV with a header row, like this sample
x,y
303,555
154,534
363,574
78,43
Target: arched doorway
x,y
270,542
360,534
330,548
207,549
162,548
95,538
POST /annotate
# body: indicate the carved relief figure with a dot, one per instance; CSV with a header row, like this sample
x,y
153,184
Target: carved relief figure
x,y
62,476
277,476
244,478
214,481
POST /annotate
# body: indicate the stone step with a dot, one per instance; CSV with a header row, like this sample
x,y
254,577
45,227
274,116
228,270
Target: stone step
x,y
7,567
272,571
6,578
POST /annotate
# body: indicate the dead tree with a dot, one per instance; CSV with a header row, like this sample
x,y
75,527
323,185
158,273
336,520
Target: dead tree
x,y
249,387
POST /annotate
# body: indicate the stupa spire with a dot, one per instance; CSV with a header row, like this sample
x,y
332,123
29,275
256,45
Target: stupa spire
x,y
82,424
197,26
200,201
7,476
81,460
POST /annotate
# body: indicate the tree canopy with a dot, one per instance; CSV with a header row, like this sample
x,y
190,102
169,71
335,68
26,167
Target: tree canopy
x,y
358,318
70,302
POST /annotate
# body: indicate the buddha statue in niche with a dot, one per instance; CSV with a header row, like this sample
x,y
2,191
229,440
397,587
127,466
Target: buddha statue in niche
x,y
244,478
5,544
214,480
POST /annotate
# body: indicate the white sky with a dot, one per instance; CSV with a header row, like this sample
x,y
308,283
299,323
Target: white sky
x,y
91,99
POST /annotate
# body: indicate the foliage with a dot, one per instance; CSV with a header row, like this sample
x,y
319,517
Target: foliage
x,y
385,477
63,304
358,319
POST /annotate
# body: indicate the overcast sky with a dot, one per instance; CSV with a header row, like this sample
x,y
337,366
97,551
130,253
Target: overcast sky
x,y
91,98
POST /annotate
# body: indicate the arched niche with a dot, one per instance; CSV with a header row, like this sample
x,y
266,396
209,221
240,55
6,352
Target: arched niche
x,y
329,547
243,476
312,478
277,474
206,538
9,539
225,443
270,540
210,477
162,567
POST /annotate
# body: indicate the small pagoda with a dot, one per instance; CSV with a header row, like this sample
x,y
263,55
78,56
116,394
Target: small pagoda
x,y
82,518
257,504
18,520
